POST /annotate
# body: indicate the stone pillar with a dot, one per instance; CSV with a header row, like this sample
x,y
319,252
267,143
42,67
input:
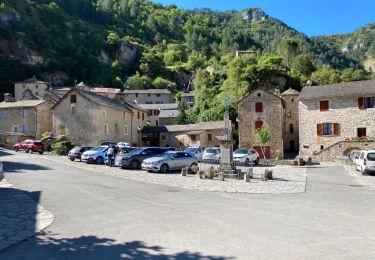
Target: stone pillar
x,y
226,160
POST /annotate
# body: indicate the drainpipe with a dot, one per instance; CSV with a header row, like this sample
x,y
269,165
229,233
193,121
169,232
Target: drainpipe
x,y
36,122
131,128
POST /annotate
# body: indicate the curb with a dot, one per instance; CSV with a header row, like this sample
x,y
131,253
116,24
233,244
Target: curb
x,y
1,171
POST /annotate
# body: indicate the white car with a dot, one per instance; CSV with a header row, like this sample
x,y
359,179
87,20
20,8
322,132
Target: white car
x,y
246,156
196,150
170,160
123,145
96,155
365,162
211,154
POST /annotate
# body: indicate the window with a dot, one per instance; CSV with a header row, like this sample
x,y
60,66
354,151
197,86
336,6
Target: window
x,y
258,107
104,113
23,112
163,137
328,129
291,128
62,130
361,132
193,138
2,114
36,93
126,130
366,102
73,99
36,86
324,106
148,102
158,95
15,129
148,94
149,112
143,116
258,124
292,100
24,128
156,122
116,128
106,128
138,115
136,94
259,94
209,137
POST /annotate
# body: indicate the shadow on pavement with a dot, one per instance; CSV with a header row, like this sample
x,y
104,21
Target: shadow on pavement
x,y
46,246
3,152
12,167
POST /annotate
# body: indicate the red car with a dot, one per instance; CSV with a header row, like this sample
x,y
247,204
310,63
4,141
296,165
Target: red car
x,y
30,146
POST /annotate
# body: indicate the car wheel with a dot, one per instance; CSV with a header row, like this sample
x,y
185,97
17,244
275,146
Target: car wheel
x,y
29,150
99,160
256,161
134,165
16,149
41,152
164,168
71,158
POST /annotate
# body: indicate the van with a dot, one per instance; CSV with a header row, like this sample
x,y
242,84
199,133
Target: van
x,y
365,162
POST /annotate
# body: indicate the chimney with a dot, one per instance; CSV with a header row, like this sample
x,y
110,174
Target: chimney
x,y
8,97
277,92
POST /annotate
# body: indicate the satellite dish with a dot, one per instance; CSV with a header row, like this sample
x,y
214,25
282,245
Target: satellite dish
x,y
309,83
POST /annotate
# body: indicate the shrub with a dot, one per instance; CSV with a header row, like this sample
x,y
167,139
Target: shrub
x,y
62,148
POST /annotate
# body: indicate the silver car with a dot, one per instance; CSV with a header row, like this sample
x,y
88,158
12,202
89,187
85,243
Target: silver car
x,y
211,154
171,160
196,150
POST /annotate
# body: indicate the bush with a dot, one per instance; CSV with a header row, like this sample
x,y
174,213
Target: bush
x,y
62,148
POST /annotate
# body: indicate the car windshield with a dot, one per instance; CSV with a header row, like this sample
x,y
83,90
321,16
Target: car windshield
x,y
166,155
191,150
99,148
240,151
37,143
371,156
208,150
77,148
137,151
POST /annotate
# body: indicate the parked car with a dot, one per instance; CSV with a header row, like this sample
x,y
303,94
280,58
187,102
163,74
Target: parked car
x,y
366,161
134,159
211,154
170,161
196,150
95,155
77,152
246,156
29,146
122,145
108,143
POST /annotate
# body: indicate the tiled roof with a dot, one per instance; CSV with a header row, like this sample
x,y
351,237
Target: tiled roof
x,y
159,106
32,80
147,91
290,91
188,94
212,125
169,113
22,103
346,89
106,90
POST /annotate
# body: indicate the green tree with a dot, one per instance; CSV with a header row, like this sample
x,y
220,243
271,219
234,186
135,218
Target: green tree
x,y
288,47
262,136
303,65
175,53
182,117
164,84
138,82
325,75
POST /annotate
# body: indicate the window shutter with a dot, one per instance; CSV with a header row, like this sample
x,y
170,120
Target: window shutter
x,y
258,124
258,107
361,103
336,129
319,128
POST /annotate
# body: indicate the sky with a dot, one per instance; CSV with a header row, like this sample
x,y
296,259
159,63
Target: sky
x,y
312,17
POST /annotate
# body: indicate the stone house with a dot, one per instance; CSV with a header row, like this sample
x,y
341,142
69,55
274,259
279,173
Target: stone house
x,y
261,109
30,118
189,98
154,111
146,96
182,136
88,118
334,113
37,87
168,117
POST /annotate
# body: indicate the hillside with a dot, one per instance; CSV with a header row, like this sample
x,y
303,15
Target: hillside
x,y
141,44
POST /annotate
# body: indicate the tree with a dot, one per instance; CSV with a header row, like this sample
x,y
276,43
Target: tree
x,y
288,47
262,136
182,117
303,65
325,75
175,53
164,84
138,82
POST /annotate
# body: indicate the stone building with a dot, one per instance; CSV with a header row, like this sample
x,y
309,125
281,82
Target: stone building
x,y
89,119
330,114
37,87
168,117
146,96
30,118
261,109
189,98
181,136
154,111
291,125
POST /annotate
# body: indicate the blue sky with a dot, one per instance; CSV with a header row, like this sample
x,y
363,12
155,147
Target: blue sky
x,y
312,17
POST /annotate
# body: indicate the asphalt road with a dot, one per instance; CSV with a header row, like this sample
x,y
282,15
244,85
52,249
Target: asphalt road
x,y
104,217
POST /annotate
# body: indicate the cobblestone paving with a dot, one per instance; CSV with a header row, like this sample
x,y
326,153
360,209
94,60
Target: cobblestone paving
x,y
286,179
20,216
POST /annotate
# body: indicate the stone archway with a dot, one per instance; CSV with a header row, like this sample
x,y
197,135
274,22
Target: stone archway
x,y
349,150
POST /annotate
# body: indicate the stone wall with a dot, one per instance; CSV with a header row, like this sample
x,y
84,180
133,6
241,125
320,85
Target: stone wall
x,y
38,89
13,118
272,117
144,98
343,111
44,118
342,149
290,123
